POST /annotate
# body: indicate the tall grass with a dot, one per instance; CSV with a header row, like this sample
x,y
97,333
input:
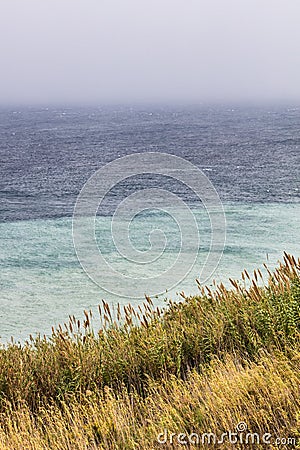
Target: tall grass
x,y
203,364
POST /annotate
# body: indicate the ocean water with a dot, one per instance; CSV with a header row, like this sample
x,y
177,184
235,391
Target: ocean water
x,y
249,154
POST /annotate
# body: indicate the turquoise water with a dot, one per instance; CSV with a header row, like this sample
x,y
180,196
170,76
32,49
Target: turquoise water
x,y
42,281
249,153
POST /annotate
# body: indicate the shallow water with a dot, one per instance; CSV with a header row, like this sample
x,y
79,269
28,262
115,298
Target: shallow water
x,y
42,281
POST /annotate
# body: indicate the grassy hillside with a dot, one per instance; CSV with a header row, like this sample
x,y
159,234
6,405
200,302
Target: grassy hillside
x,y
208,364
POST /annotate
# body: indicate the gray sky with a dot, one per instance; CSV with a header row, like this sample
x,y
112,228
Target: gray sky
x,y
154,50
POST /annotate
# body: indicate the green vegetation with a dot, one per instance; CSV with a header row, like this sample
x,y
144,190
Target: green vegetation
x,y
202,365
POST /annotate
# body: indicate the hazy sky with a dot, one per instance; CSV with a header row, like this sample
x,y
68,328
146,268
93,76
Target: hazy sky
x,y
149,50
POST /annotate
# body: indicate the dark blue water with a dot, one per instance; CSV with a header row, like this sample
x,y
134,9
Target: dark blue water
x,y
250,154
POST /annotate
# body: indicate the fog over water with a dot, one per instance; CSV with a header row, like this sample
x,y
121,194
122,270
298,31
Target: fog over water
x,y
123,51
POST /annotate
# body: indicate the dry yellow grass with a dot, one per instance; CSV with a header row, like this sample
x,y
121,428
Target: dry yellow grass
x,y
202,366
265,395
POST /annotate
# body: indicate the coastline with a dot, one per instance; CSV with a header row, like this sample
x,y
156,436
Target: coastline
x,y
206,364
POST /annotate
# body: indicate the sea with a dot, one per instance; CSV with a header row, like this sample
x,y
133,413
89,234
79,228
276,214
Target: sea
x,y
152,232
